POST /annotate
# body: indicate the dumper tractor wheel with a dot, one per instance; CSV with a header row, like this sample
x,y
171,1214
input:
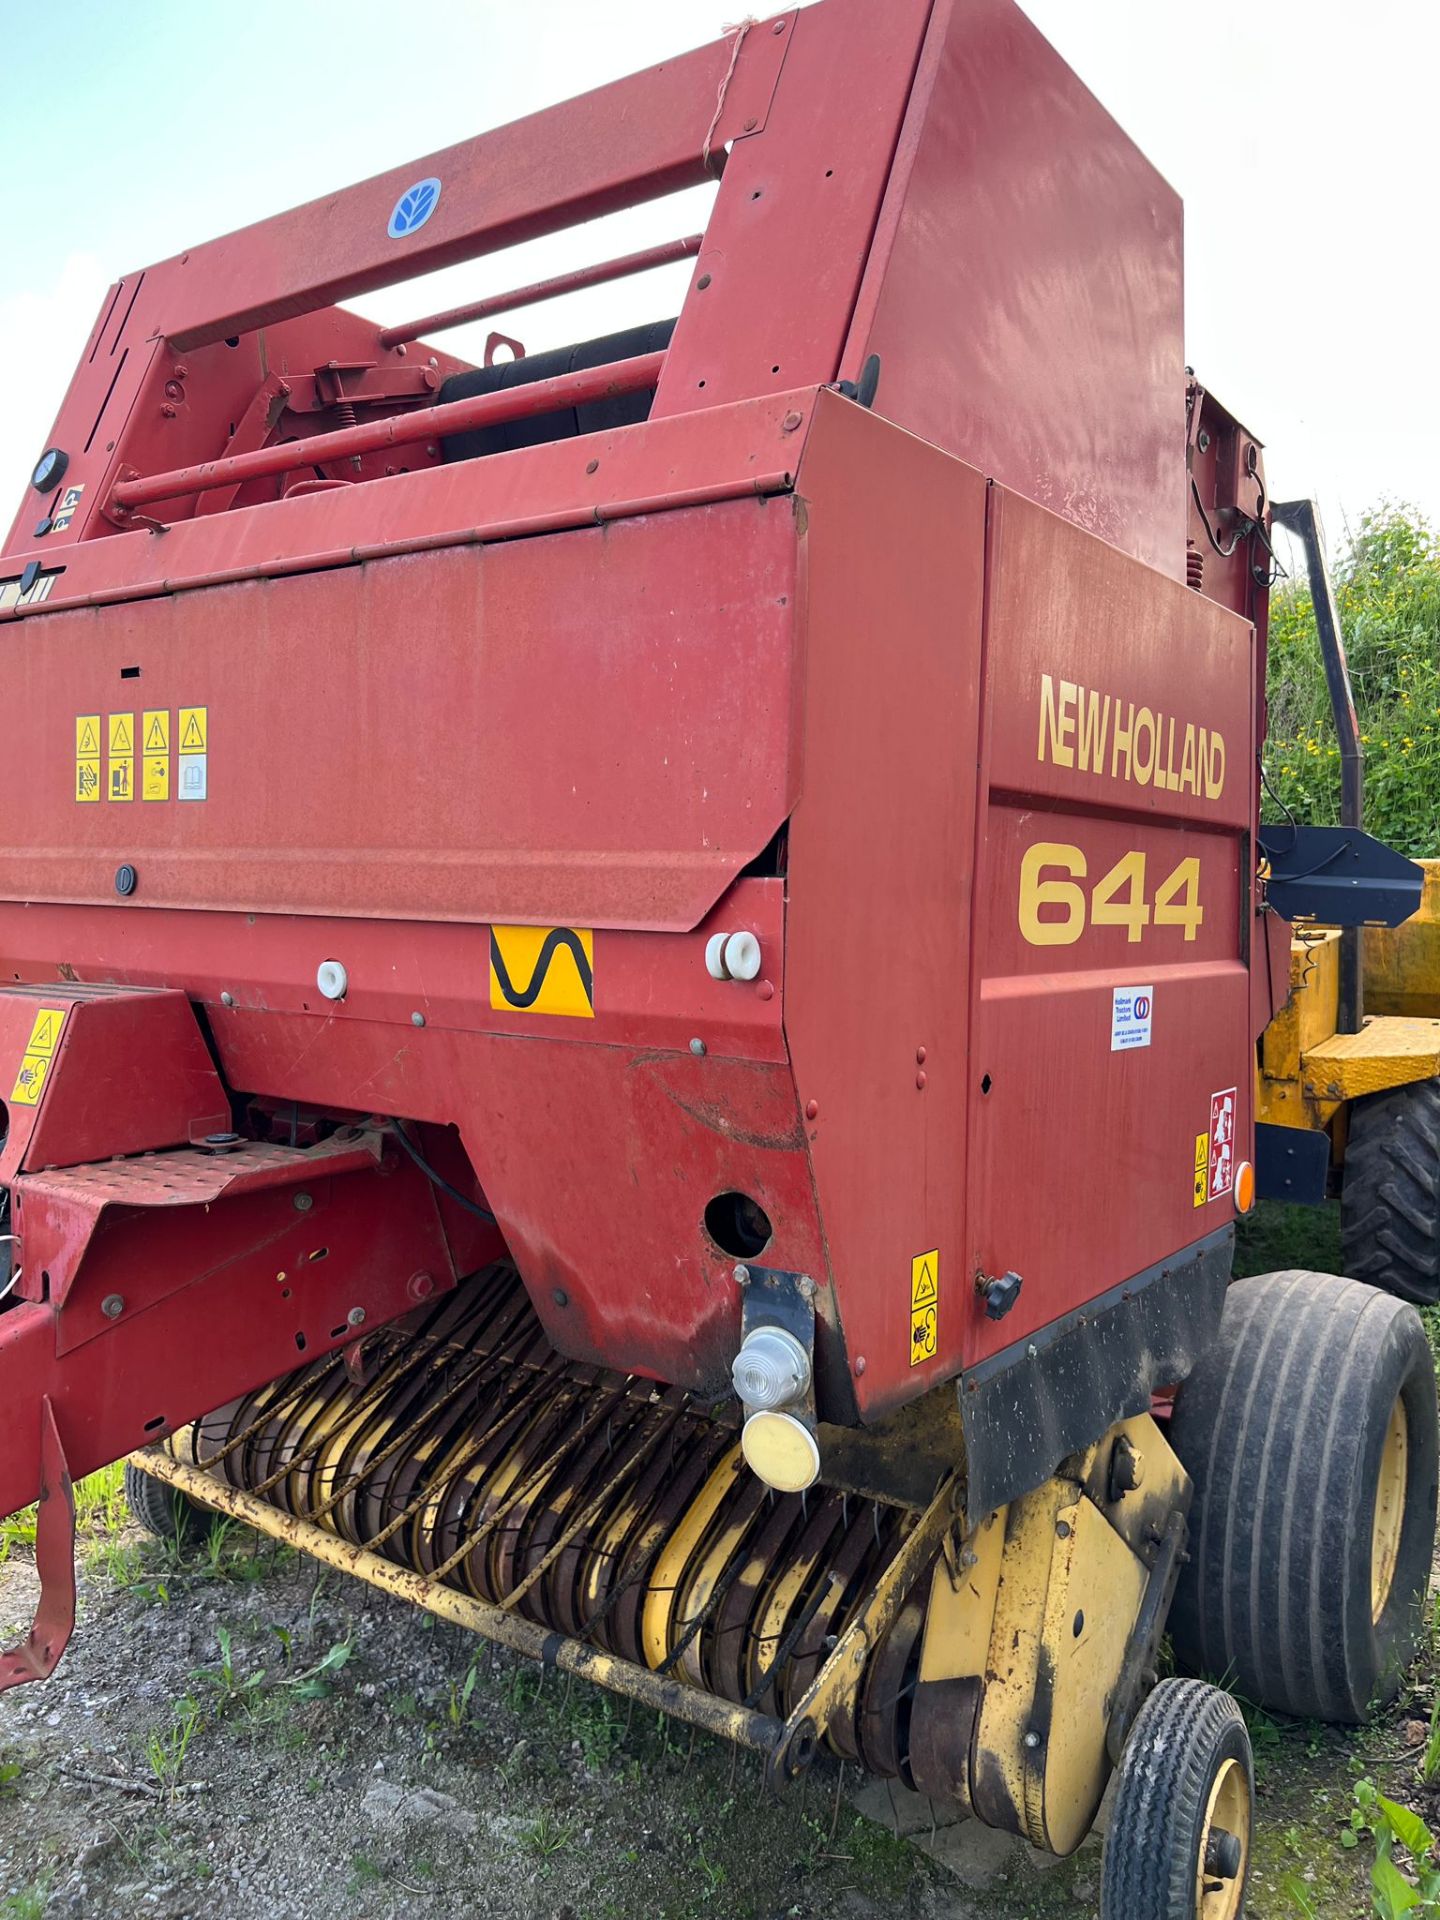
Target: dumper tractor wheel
x,y
1178,1843
163,1511
1390,1194
1309,1430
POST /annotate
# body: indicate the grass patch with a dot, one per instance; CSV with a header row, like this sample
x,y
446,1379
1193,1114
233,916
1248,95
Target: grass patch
x,y
100,1513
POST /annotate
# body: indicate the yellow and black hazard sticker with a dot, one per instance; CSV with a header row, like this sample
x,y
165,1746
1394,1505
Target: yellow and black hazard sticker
x,y
121,759
87,756
193,746
924,1306
543,970
1202,1168
145,741
155,754
35,1061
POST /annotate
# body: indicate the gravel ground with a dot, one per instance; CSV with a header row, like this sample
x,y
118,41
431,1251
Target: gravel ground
x,y
188,1759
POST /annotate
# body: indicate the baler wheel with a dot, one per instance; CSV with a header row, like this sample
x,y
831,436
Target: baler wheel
x,y
1390,1196
1310,1431
1178,1843
163,1511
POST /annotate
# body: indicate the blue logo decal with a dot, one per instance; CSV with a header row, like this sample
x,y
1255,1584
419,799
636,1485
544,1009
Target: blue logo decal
x,y
414,208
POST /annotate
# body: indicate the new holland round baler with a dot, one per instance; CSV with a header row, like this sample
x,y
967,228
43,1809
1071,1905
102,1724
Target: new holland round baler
x,y
630,977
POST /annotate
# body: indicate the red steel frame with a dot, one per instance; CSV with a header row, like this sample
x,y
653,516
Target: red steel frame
x,y
740,673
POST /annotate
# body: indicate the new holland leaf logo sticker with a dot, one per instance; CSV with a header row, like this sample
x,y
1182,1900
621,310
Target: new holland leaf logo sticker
x,y
543,970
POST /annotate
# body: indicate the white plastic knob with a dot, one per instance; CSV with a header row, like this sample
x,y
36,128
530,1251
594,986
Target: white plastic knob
x,y
742,956
715,956
332,979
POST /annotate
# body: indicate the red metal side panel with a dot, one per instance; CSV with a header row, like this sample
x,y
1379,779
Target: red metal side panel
x,y
880,845
1101,792
729,451
591,728
1024,291
773,290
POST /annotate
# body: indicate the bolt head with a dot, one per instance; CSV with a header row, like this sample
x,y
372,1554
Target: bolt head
x,y
112,1306
355,1317
697,1047
421,1286
304,1202
741,1276
227,999
1032,1740
417,1019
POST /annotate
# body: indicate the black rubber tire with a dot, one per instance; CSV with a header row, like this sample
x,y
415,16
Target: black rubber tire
x,y
1282,1427
1390,1193
161,1510
1182,1737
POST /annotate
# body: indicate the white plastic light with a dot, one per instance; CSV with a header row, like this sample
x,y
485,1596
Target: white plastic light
x,y
770,1370
332,979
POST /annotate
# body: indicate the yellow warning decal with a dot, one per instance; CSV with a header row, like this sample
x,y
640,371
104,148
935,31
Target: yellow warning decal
x,y
120,782
87,756
1202,1168
924,1306
543,970
39,1052
193,773
155,755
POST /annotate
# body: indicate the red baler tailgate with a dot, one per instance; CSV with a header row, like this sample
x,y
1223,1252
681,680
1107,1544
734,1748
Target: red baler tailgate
x,y
1110,1001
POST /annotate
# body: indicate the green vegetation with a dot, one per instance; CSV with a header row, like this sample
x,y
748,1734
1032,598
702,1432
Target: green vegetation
x,y
100,1512
1387,585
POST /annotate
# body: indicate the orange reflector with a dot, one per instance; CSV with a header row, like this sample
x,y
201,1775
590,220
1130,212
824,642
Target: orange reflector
x,y
1244,1187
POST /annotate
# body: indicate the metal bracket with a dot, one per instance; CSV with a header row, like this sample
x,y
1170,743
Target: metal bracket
x,y
38,1654
835,1688
774,1298
1338,876
1136,1673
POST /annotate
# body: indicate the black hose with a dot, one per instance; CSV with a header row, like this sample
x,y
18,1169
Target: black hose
x,y
460,1199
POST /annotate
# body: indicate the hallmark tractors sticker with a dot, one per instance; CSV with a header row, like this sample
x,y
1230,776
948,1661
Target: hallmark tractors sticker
x,y
1222,1142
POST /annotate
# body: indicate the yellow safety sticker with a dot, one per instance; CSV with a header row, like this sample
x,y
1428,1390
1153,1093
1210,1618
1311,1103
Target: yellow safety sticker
x,y
155,755
87,756
543,970
120,784
194,746
39,1052
924,1305
1202,1168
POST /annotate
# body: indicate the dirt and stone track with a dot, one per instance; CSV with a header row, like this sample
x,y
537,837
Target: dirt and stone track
x,y
392,1783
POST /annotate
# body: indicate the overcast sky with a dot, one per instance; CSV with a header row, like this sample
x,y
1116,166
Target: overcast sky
x,y
1301,133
